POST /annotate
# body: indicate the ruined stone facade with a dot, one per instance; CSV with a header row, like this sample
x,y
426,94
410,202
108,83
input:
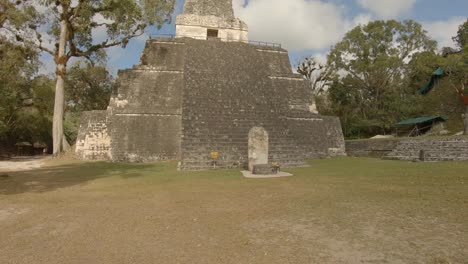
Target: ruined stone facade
x,y
190,97
450,148
377,148
434,149
210,18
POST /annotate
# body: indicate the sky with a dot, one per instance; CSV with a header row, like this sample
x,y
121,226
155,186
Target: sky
x,y
309,27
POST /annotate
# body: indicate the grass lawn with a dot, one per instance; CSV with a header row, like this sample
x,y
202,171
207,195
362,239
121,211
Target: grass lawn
x,y
346,210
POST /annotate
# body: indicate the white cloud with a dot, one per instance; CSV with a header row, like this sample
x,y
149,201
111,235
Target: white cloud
x,y
321,57
386,9
298,24
362,19
444,31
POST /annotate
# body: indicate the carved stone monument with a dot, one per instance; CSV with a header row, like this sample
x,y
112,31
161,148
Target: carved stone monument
x,y
258,147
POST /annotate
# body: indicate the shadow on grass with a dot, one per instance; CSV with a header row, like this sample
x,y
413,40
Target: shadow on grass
x,y
61,176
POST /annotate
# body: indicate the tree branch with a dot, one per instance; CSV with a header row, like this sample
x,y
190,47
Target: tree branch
x,y
103,8
44,49
21,39
76,52
75,10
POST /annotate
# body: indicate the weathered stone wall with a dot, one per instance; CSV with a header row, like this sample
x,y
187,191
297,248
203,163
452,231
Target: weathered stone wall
x,y
144,138
254,87
435,149
232,33
370,148
318,136
93,141
221,8
201,15
146,106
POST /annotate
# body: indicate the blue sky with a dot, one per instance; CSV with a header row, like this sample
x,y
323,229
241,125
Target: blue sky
x,y
311,27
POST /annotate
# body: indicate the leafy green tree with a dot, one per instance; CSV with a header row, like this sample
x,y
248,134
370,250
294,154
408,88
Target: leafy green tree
x,y
444,99
456,68
461,39
343,104
34,117
372,64
17,66
89,88
13,15
456,72
68,33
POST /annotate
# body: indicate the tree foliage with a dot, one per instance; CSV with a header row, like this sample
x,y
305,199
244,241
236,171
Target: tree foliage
x,y
371,63
461,39
26,100
64,29
15,15
17,66
122,20
88,87
34,116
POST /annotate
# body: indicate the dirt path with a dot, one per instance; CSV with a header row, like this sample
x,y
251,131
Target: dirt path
x,y
21,165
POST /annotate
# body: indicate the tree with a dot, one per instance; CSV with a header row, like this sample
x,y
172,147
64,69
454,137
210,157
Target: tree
x,y
13,14
318,75
33,121
456,71
69,29
26,102
89,87
461,72
461,39
372,61
453,64
17,66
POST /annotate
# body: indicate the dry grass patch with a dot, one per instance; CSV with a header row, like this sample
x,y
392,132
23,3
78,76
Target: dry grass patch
x,y
348,210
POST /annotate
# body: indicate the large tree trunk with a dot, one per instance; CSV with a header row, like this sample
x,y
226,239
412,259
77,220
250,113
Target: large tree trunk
x,y
61,66
466,120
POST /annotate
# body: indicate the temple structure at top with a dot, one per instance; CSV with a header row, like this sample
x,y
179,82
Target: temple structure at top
x,y
203,19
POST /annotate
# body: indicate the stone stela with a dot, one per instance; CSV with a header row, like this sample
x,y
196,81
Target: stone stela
x,y
258,151
190,97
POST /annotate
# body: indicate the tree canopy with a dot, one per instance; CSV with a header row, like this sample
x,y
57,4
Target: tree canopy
x,y
26,100
461,39
66,29
122,20
88,87
371,67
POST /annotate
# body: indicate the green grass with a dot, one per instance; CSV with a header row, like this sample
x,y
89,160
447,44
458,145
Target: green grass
x,y
344,210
